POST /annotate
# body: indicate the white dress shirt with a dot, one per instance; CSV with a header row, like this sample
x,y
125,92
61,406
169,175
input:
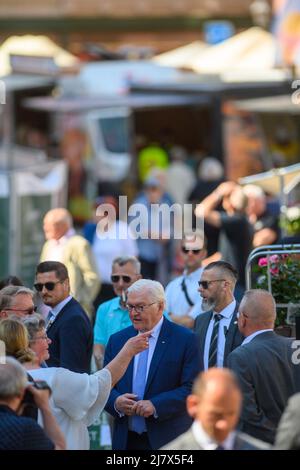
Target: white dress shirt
x,y
256,333
176,302
224,324
206,442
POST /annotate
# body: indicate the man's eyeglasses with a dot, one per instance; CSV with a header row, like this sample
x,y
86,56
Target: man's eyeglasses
x,y
25,311
187,250
138,308
115,278
205,284
48,285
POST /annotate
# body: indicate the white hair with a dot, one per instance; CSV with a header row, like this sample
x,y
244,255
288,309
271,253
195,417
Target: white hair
x,y
210,169
154,288
251,190
13,379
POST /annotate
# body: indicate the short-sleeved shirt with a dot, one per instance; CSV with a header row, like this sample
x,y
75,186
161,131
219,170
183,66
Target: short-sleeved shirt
x,y
176,301
110,318
235,242
19,433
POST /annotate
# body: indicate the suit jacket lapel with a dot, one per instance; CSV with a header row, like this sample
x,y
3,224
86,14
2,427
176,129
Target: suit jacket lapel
x,y
160,348
231,333
68,305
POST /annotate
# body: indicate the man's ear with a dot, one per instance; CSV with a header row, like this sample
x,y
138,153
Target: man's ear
x,y
192,403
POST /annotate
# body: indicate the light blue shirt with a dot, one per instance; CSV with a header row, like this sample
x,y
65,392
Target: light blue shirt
x,y
176,302
226,313
110,318
256,333
152,345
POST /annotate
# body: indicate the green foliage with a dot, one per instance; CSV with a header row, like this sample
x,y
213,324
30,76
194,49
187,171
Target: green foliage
x,y
285,281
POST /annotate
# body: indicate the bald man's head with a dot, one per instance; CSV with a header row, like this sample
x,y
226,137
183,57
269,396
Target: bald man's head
x,y
56,223
215,402
257,311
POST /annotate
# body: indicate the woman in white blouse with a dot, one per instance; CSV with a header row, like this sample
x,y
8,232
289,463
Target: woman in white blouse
x,y
77,399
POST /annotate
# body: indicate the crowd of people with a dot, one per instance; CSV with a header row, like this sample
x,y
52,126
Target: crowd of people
x,y
192,365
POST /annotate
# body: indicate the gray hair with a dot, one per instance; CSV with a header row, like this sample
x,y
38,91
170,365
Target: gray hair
x,y
122,260
154,288
60,215
252,190
13,379
34,323
16,290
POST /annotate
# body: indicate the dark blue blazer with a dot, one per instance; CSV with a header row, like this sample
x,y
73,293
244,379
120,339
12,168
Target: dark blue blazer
x,y
174,365
72,339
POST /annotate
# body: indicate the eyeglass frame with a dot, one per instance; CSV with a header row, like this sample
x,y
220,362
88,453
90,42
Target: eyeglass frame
x,y
142,307
44,285
200,283
44,337
32,310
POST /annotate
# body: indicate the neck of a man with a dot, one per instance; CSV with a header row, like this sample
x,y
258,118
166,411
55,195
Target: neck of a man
x,y
192,269
224,303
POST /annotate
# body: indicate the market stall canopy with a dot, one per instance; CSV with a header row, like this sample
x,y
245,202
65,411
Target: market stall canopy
x,y
34,47
182,57
275,181
248,54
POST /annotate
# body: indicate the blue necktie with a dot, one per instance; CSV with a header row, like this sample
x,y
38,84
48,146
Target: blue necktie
x,y
213,348
138,388
49,319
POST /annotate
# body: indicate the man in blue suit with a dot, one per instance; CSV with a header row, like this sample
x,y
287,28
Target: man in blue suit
x,y
68,326
149,401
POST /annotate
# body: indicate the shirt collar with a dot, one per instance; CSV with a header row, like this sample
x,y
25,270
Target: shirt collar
x,y
206,442
55,310
227,312
70,233
252,336
157,328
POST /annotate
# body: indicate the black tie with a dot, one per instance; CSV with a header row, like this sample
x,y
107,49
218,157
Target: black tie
x,y
213,348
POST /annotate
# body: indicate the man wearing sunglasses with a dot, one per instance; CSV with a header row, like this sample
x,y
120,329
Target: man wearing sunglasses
x,y
182,298
112,316
217,328
67,324
16,300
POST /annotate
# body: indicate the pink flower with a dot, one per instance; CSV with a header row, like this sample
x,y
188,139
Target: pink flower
x,y
274,259
262,262
274,271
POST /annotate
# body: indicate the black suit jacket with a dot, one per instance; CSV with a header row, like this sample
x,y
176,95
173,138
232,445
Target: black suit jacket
x,y
268,376
72,339
233,336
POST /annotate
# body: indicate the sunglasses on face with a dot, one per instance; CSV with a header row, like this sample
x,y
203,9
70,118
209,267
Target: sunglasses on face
x,y
205,284
187,250
115,278
26,311
48,285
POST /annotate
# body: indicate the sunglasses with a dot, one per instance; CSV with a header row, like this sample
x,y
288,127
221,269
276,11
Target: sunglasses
x,y
115,278
26,311
205,284
187,250
48,285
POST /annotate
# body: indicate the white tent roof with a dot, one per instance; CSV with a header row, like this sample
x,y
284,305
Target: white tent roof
x,y
251,49
183,57
38,46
